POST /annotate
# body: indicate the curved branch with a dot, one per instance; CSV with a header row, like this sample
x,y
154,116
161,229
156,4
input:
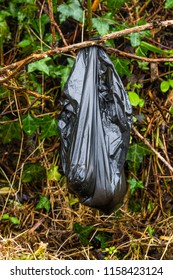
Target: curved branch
x,y
34,57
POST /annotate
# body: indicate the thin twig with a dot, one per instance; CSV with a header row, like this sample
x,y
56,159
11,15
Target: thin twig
x,y
152,149
35,57
51,16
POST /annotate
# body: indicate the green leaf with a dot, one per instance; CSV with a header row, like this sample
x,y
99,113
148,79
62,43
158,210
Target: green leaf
x,y
24,43
14,220
122,66
135,155
150,231
102,25
152,48
164,86
135,39
140,51
30,124
70,9
44,203
53,173
5,217
10,131
171,83
83,232
104,238
116,4
64,71
135,100
32,172
48,127
40,66
134,185
169,4
171,110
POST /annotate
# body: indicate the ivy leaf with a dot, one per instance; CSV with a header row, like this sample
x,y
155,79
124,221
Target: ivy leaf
x,y
30,124
10,131
135,155
104,238
53,173
121,65
83,232
44,203
135,39
32,172
40,66
134,185
169,4
48,127
70,9
102,25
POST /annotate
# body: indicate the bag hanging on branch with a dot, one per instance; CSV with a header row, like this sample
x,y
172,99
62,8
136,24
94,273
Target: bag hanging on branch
x,y
95,125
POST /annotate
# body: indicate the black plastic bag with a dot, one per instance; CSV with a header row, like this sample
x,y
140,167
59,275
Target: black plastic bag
x,y
95,127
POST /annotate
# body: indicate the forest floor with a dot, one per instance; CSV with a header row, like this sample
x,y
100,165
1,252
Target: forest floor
x,y
41,220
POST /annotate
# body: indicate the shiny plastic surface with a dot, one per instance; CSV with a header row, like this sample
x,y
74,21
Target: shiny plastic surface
x,y
95,127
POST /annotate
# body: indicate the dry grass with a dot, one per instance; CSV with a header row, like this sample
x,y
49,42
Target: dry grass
x,y
51,236
142,228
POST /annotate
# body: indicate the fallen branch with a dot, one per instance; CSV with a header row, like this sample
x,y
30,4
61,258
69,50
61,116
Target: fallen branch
x,y
152,149
34,57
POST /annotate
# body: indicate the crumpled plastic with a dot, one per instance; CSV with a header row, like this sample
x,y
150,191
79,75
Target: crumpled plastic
x,y
94,126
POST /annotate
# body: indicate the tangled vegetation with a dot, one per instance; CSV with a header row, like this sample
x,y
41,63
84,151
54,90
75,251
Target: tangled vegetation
x,y
39,219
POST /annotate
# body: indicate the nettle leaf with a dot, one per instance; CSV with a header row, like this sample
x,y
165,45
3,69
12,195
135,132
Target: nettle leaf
x,y
30,124
135,155
70,9
44,203
40,65
48,127
169,4
135,100
122,66
32,172
101,24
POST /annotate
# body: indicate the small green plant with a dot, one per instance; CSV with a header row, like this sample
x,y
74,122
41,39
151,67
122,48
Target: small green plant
x,y
135,155
135,185
111,253
150,230
169,4
166,85
13,220
43,203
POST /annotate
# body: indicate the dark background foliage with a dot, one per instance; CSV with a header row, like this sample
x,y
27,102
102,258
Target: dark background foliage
x,y
39,218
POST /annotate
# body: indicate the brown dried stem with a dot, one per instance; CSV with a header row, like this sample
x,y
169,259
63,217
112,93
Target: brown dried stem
x,y
34,57
152,149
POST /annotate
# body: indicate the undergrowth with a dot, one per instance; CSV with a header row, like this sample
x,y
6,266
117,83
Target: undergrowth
x,y
39,218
